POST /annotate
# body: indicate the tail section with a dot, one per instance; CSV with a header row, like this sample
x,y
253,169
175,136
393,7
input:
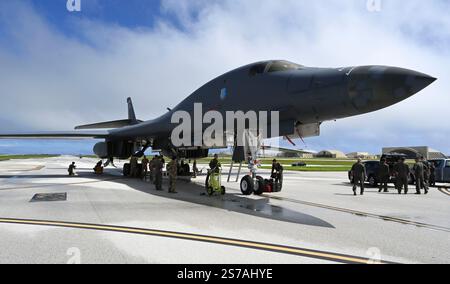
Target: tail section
x,y
116,123
131,113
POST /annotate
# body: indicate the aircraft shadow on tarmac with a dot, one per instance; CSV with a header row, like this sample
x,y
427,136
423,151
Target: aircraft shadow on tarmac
x,y
260,207
91,178
190,192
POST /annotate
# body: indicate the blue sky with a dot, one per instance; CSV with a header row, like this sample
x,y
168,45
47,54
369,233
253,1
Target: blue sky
x,y
60,69
128,13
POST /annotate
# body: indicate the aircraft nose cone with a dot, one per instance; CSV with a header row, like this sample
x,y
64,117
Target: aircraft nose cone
x,y
376,87
403,83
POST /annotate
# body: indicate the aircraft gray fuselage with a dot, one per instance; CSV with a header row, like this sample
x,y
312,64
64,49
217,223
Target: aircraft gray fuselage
x,y
300,94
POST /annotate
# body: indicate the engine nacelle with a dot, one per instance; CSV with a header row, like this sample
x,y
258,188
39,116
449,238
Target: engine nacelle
x,y
101,150
115,149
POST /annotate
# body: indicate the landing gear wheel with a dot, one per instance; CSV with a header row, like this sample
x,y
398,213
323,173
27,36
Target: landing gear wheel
x,y
126,170
222,190
259,186
247,185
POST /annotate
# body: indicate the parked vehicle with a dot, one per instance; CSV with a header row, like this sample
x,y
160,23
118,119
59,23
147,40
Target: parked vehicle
x,y
299,164
442,171
372,168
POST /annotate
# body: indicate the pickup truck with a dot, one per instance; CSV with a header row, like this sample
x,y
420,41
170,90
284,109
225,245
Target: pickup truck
x,y
442,170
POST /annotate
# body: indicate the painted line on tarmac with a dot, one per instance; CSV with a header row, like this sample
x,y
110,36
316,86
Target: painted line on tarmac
x,y
360,213
444,190
302,252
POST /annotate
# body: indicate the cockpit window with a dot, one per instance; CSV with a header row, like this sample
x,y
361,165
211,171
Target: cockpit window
x,y
273,66
277,66
258,69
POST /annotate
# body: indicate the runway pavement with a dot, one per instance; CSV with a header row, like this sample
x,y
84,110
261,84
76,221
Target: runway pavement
x,y
111,219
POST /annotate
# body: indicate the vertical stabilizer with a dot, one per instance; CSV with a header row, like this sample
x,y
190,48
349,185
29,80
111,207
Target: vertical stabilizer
x,y
131,113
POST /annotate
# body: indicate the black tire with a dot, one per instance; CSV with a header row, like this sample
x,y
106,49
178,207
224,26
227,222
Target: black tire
x,y
373,181
210,191
223,190
126,170
259,186
247,185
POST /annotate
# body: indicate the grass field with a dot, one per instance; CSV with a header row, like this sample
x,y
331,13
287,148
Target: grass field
x,y
21,157
314,169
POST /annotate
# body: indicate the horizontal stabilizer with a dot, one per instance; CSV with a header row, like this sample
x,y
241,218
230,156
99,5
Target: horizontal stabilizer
x,y
57,135
109,124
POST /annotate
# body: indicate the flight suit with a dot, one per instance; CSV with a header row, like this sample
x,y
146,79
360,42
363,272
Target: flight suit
x,y
157,167
71,169
383,176
133,167
145,163
215,165
402,172
172,169
359,177
277,172
426,176
151,166
195,169
419,173
432,175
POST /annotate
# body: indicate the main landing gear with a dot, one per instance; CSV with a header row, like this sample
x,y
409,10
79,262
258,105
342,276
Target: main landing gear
x,y
259,185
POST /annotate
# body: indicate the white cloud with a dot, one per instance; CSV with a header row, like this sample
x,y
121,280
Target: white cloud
x,y
53,81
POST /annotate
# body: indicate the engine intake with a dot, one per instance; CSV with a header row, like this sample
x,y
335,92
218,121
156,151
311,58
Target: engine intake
x,y
115,149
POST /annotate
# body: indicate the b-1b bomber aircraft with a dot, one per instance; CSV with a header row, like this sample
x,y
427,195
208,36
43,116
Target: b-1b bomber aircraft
x,y
304,97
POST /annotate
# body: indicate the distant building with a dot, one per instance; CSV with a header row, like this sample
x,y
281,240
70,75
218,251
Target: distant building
x,y
414,152
268,151
362,155
333,154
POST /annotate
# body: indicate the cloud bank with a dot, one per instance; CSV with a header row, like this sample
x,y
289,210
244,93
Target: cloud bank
x,y
53,80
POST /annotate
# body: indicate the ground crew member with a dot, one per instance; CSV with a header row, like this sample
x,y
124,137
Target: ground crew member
x,y
432,174
145,163
158,167
419,169
383,176
277,171
172,169
426,174
359,176
215,165
71,169
182,169
152,168
162,161
187,169
402,171
195,169
133,167
98,169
